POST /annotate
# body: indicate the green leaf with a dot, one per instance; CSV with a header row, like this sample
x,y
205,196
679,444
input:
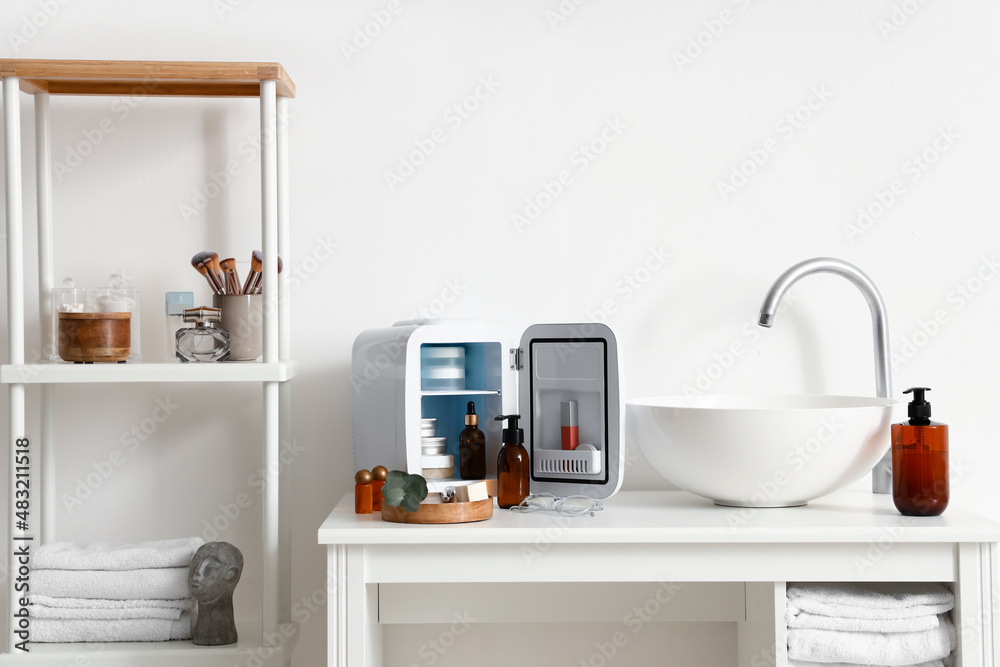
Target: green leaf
x,y
395,477
415,486
393,496
411,503
402,490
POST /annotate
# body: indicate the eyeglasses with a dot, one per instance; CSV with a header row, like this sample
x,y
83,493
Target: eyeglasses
x,y
563,506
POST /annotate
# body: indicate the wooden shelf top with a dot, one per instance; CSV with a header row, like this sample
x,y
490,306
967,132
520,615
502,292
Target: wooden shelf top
x,y
146,77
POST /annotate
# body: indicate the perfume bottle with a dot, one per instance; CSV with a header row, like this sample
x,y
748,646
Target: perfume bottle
x,y
204,341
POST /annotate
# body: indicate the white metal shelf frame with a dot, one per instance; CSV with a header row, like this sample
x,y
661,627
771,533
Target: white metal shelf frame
x,y
270,83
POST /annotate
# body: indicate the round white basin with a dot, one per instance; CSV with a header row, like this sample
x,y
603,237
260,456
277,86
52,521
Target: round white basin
x,y
760,451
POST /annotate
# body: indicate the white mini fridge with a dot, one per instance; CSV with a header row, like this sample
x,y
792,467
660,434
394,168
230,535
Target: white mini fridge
x,y
430,369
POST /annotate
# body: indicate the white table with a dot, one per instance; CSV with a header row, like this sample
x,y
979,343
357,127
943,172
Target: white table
x,y
708,562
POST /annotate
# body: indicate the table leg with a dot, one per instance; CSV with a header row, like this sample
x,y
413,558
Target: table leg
x,y
353,631
761,636
976,605
336,603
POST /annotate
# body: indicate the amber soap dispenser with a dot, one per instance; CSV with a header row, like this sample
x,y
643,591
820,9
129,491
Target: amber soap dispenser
x,y
513,472
920,460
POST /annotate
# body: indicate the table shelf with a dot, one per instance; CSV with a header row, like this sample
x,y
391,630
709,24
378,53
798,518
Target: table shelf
x,y
162,78
66,373
161,654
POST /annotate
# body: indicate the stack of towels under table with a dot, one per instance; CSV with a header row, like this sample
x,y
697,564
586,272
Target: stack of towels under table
x,y
98,592
870,624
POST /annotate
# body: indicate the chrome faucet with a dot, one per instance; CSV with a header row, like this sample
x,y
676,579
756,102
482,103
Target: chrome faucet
x,y
882,472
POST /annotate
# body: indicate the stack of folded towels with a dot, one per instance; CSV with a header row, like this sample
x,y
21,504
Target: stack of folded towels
x,y
98,592
870,624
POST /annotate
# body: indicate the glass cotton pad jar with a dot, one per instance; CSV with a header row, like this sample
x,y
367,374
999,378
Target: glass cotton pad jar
x,y
442,368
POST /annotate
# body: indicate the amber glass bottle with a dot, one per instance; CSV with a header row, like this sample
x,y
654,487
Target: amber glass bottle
x,y
472,447
363,498
513,471
379,474
920,460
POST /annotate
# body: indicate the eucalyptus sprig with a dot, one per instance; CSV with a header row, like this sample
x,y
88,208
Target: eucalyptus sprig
x,y
403,490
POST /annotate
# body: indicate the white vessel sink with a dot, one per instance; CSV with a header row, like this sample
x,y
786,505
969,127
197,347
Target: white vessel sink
x,y
760,451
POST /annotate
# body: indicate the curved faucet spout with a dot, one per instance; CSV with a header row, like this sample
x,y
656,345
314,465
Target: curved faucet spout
x,y
880,319
882,473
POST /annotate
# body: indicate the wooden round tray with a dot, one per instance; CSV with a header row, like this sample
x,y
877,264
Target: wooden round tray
x,y
438,512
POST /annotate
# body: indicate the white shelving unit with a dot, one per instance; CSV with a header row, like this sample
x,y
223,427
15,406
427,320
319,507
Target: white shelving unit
x,y
273,642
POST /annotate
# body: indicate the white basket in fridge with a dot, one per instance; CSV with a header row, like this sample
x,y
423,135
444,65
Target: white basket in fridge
x,y
565,462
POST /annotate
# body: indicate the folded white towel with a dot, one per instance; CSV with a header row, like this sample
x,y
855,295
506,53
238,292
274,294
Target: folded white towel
x,y
41,611
873,648
111,556
876,600
805,663
129,630
796,618
186,604
164,583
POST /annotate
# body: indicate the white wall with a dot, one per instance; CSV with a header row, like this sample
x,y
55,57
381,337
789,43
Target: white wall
x,y
888,80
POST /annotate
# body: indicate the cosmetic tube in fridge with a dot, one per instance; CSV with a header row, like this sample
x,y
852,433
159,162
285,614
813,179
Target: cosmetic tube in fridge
x,y
570,425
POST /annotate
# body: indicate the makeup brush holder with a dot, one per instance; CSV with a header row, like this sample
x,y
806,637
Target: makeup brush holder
x,y
243,318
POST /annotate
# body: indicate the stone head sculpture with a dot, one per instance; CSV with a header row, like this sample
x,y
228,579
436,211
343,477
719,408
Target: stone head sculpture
x,y
215,570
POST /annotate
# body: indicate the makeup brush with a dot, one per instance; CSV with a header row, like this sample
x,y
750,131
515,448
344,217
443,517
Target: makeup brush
x,y
200,263
206,257
256,266
213,264
232,280
259,287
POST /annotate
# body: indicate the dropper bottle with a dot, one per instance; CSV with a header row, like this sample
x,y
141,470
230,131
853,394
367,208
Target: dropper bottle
x,y
920,460
513,471
472,447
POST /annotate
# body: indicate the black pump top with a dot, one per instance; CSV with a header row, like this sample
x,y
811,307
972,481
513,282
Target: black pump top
x,y
512,434
919,410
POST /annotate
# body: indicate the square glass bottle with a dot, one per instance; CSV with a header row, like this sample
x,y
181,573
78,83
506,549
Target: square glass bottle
x,y
205,341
